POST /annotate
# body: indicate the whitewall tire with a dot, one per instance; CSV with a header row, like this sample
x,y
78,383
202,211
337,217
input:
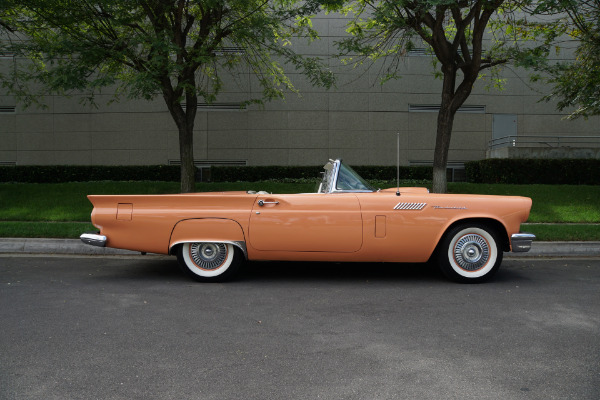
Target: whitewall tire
x,y
209,262
470,253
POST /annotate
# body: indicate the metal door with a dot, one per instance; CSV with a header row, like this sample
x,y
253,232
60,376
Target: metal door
x,y
306,222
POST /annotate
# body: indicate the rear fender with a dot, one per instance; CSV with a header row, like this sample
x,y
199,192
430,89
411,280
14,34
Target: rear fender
x,y
210,230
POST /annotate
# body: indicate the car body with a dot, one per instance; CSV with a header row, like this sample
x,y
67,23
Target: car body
x,y
344,220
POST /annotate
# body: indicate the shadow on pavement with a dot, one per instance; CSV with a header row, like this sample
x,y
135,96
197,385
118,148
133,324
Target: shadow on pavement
x,y
279,271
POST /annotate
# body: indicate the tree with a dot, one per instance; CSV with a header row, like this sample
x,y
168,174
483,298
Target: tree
x,y
576,83
148,48
454,31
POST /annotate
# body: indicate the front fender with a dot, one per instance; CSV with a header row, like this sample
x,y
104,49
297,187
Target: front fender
x,y
208,230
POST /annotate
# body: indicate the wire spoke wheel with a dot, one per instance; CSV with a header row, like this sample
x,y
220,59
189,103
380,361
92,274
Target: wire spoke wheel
x,y
470,253
209,261
208,256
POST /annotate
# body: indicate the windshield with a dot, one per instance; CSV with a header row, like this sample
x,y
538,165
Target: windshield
x,y
348,179
339,177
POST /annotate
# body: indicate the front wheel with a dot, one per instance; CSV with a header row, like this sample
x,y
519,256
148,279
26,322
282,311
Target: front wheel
x,y
209,262
470,253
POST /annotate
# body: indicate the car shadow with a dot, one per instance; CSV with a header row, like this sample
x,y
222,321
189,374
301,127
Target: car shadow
x,y
296,271
337,271
142,269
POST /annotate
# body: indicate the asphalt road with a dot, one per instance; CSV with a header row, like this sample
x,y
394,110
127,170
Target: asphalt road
x,y
136,328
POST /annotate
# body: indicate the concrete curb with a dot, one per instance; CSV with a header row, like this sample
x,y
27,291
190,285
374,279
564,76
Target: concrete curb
x,y
56,246
560,249
76,247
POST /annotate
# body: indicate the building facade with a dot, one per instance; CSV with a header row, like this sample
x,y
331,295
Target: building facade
x,y
357,121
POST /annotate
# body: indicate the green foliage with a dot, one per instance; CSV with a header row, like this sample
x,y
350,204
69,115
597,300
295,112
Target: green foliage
x,y
176,49
145,48
451,31
563,232
68,230
575,24
453,34
534,171
170,173
551,203
261,173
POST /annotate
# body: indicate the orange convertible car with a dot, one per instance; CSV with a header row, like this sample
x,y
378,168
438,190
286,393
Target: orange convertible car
x,y
345,220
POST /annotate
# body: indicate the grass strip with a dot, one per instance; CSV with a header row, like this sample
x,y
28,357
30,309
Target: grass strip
x,y
563,232
28,208
551,203
68,201
66,230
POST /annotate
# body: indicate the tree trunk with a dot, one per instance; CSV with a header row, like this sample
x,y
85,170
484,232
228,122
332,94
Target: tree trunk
x,y
186,148
186,141
452,99
445,121
186,156
442,145
184,119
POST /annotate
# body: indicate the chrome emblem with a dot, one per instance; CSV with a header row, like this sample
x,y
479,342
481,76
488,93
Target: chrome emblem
x,y
410,206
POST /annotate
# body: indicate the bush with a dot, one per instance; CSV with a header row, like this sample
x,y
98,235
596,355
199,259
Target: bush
x,y
85,173
388,173
534,171
171,173
263,173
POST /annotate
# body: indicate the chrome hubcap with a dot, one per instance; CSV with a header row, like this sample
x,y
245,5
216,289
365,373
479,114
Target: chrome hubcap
x,y
208,256
471,252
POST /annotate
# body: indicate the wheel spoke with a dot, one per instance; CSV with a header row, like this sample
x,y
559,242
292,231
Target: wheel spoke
x,y
471,252
208,256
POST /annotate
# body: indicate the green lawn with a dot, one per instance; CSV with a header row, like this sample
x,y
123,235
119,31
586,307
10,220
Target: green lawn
x,y
551,203
62,210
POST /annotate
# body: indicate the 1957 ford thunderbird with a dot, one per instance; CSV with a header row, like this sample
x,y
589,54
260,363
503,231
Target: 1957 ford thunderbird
x,y
212,234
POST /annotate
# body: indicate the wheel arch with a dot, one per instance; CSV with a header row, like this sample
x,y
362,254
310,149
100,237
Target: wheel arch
x,y
208,230
492,223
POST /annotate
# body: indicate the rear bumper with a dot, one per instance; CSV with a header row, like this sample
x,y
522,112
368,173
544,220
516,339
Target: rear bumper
x,y
521,242
93,239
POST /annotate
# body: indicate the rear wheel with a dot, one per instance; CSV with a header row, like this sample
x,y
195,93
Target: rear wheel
x,y
470,253
209,262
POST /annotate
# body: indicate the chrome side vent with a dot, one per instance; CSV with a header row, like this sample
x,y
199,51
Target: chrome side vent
x,y
410,206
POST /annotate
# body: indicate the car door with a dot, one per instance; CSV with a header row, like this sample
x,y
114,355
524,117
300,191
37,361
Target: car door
x,y
306,222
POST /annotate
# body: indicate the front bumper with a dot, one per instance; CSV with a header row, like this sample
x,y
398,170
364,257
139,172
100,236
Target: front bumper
x,y
93,239
521,242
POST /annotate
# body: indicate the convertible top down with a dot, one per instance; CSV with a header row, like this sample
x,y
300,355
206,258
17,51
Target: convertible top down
x,y
344,220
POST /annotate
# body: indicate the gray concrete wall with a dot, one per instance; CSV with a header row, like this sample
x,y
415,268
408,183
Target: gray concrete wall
x,y
357,121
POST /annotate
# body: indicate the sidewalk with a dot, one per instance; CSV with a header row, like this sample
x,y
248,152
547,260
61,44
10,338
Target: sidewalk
x,y
76,247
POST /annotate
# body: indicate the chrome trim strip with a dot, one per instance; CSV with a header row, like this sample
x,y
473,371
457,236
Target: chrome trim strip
x,y
351,191
239,244
335,174
521,242
93,239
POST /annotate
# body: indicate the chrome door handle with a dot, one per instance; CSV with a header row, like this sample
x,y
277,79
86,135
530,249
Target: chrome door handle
x,y
262,202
